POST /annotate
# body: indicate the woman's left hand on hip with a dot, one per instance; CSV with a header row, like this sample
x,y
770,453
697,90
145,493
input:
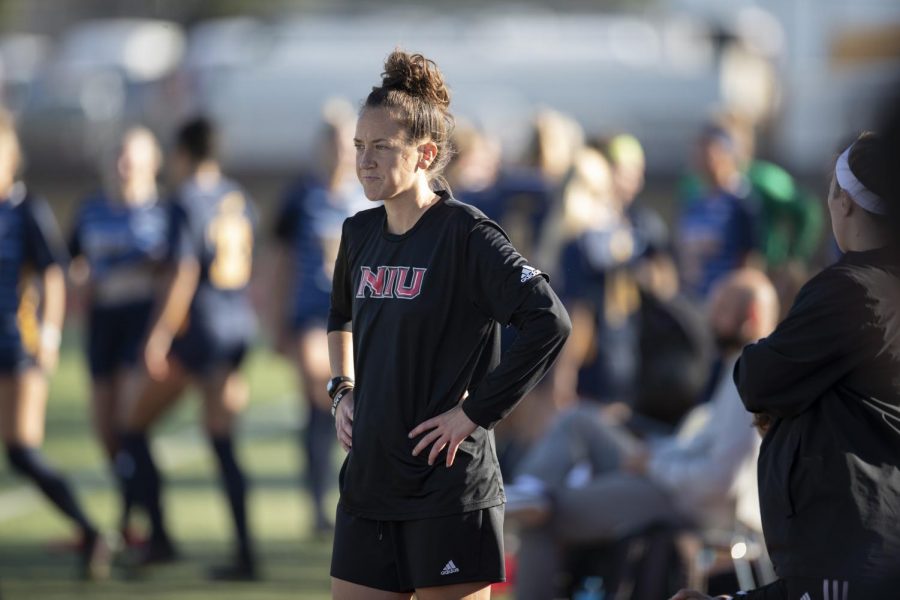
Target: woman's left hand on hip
x,y
446,430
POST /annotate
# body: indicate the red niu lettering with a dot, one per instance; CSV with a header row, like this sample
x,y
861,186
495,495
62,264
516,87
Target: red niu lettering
x,y
391,282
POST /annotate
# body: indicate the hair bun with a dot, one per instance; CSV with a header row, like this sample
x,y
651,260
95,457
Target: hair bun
x,y
417,76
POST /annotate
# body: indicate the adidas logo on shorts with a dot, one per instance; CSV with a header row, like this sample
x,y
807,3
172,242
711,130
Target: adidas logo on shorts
x,y
450,569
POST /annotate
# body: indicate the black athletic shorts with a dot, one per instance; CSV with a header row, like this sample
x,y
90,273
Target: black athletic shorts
x,y
401,556
115,336
200,353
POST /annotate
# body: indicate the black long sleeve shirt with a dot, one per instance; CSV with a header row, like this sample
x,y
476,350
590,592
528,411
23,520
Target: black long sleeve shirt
x,y
425,310
829,467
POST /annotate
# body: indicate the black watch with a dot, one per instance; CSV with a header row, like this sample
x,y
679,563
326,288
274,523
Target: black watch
x,y
335,384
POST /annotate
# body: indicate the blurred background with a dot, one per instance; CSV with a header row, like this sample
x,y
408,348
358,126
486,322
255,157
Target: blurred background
x,y
806,71
806,74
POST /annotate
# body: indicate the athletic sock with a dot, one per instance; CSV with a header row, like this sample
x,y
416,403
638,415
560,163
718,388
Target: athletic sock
x,y
126,498
318,441
142,482
235,486
29,462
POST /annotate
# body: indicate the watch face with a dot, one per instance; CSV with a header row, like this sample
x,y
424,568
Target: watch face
x,y
333,383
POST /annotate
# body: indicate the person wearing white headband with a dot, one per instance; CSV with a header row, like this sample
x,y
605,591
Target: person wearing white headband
x,y
859,193
826,378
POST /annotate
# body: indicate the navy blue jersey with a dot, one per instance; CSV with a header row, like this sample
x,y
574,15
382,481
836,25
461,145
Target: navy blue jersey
x,y
124,246
29,239
310,221
597,274
715,235
215,225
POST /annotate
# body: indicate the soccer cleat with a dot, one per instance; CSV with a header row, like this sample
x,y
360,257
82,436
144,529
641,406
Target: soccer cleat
x,y
95,557
236,571
155,552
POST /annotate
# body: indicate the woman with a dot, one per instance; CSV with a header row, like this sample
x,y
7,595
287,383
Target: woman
x,y
118,245
29,344
199,335
421,287
829,467
308,229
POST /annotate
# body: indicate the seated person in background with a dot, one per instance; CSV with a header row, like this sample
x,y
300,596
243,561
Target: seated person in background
x,y
691,476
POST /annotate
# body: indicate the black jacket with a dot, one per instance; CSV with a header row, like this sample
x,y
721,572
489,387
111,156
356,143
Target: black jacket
x,y
829,467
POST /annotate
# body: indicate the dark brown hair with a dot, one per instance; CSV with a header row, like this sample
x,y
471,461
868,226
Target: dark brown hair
x,y
199,139
413,89
876,167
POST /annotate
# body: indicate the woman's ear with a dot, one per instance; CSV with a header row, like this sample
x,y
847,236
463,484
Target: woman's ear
x,y
427,153
847,205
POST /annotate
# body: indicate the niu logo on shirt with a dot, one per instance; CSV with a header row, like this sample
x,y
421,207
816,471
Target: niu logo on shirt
x,y
391,282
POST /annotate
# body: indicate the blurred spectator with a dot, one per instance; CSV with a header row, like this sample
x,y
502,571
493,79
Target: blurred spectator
x,y
626,157
474,169
790,216
526,196
308,230
589,481
119,243
718,230
600,292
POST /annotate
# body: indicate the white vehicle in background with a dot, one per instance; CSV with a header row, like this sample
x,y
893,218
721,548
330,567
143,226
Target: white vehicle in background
x,y
656,77
837,63
810,72
103,75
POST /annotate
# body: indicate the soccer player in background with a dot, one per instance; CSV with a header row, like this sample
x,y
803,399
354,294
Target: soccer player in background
x,y
31,246
308,230
118,245
200,335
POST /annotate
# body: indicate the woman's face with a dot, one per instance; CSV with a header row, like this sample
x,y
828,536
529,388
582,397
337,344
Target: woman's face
x,y
9,161
386,163
138,157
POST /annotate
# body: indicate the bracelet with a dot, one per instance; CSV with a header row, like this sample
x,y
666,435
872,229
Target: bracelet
x,y
336,383
338,397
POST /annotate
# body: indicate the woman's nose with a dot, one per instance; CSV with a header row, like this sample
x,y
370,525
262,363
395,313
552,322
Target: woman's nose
x,y
365,160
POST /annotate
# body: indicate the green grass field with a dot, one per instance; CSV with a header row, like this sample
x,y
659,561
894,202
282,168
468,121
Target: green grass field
x,y
294,562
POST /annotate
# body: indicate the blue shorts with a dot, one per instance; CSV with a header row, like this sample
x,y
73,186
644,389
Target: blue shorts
x,y
116,335
201,352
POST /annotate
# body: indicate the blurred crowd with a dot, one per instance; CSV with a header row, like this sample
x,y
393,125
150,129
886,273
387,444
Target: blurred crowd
x,y
640,425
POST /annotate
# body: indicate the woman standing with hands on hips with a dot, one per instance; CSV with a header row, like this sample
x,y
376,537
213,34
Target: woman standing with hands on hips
x,y
421,287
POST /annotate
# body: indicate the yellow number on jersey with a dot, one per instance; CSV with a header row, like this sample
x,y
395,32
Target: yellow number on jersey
x,y
231,235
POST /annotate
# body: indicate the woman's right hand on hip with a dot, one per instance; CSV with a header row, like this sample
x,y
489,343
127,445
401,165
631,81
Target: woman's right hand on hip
x,y
343,421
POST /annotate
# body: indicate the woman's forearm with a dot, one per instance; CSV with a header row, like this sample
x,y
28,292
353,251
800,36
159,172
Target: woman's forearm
x,y
340,353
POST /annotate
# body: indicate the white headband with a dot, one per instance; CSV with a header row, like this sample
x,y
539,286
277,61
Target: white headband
x,y
855,189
